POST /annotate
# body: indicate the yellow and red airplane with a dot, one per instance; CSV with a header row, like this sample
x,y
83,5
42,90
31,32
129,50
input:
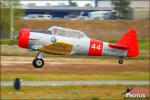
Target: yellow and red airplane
x,y
63,41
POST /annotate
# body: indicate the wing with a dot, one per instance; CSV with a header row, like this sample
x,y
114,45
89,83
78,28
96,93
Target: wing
x,y
57,48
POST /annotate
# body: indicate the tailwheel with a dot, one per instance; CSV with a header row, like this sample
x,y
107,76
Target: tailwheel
x,y
120,61
38,63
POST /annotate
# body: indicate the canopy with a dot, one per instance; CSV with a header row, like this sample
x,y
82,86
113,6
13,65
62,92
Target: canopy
x,y
65,32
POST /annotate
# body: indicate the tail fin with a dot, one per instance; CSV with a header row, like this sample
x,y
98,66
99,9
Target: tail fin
x,y
129,39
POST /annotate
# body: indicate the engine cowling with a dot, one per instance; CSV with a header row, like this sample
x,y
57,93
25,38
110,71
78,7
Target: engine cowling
x,y
23,38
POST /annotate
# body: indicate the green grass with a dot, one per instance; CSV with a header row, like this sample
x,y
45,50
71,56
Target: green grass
x,y
101,76
97,92
8,42
144,45
18,53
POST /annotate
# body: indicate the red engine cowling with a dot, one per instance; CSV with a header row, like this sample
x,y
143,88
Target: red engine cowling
x,y
23,38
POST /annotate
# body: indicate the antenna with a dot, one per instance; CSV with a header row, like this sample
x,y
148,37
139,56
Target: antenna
x,y
11,19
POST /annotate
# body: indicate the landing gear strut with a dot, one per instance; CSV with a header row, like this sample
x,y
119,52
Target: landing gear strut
x,y
38,62
120,61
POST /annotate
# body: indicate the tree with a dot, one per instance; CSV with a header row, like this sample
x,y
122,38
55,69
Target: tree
x,y
72,3
121,8
5,17
96,3
87,5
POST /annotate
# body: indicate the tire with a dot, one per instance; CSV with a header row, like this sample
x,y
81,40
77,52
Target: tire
x,y
120,61
38,63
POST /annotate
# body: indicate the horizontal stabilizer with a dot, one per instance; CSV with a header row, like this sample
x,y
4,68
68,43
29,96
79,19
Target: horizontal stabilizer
x,y
116,46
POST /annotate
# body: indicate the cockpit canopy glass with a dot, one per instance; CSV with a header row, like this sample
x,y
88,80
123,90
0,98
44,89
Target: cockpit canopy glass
x,y
42,31
66,32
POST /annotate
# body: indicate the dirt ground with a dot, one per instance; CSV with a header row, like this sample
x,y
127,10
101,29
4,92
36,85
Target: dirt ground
x,y
14,64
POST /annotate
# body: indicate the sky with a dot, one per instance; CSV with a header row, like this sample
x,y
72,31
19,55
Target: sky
x,y
80,3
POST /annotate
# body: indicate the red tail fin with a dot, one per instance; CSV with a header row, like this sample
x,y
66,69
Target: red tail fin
x,y
129,39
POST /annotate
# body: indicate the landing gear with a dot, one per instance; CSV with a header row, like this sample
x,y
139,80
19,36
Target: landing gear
x,y
38,62
120,61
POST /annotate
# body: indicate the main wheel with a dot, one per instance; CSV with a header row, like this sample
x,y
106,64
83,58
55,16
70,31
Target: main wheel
x,y
120,61
38,63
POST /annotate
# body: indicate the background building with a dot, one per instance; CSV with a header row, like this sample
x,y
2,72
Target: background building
x,y
140,9
61,11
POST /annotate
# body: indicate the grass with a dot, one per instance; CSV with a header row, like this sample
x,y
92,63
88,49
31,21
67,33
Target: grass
x,y
18,53
97,92
101,76
8,42
144,44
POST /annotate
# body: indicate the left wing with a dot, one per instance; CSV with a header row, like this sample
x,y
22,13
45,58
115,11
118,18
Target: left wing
x,y
57,48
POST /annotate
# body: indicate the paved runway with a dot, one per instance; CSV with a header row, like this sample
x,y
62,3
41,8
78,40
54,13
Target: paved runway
x,y
63,83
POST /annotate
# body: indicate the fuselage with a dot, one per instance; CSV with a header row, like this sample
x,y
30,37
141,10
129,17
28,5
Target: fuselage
x,y
80,46
63,41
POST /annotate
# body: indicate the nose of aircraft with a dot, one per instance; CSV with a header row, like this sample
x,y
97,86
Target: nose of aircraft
x,y
23,38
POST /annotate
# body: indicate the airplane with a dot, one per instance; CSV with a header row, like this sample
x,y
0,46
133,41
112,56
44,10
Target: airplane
x,y
64,41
